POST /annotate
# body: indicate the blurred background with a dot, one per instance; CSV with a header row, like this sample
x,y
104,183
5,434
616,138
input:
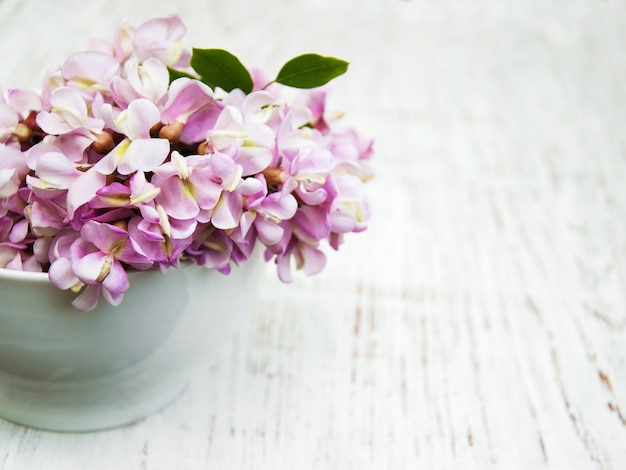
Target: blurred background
x,y
480,321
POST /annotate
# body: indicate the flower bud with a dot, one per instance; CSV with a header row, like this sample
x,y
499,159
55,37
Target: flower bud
x,y
103,143
123,224
22,132
31,120
202,148
274,176
172,131
154,130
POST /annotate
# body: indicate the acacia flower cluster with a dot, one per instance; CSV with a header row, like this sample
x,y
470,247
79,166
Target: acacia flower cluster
x,y
131,157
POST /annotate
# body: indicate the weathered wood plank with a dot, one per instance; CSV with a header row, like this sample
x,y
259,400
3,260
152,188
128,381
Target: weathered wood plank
x,y
481,321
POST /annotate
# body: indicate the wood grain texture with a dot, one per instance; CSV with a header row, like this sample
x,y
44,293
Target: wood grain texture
x,y
481,321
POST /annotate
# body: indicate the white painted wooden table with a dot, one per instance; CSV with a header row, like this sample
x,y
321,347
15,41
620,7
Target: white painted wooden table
x,y
481,321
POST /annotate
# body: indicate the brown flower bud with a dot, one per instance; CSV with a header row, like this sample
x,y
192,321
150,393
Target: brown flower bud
x,y
202,147
172,131
103,143
22,132
31,120
274,176
154,130
123,224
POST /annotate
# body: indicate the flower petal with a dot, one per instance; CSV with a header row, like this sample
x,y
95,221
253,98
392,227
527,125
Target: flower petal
x,y
143,155
83,189
89,67
61,275
313,259
177,198
116,282
142,115
279,206
160,38
269,233
186,96
88,299
228,211
56,170
91,267
103,236
24,101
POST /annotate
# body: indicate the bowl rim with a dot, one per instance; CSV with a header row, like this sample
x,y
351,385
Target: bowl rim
x,y
17,275
41,277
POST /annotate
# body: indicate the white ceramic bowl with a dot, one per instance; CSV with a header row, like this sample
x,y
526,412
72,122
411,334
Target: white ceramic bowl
x,y
64,370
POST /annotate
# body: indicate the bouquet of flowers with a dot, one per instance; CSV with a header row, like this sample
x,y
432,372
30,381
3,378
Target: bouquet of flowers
x,y
139,154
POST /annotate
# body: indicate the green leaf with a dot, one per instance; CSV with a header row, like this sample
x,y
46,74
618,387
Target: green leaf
x,y
219,68
174,74
310,71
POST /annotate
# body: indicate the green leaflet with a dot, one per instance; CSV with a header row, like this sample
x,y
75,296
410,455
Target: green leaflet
x,y
310,71
174,74
219,68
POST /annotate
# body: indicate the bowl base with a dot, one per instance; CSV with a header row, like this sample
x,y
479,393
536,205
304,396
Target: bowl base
x,y
80,406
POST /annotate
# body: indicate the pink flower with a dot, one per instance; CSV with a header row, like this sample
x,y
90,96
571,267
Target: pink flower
x,y
353,153
47,217
161,240
349,211
160,38
89,71
122,46
94,260
188,186
148,80
265,212
211,248
136,193
13,170
308,170
9,119
69,114
53,169
138,151
22,101
13,243
56,177
249,143
300,242
17,106
291,250
189,111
